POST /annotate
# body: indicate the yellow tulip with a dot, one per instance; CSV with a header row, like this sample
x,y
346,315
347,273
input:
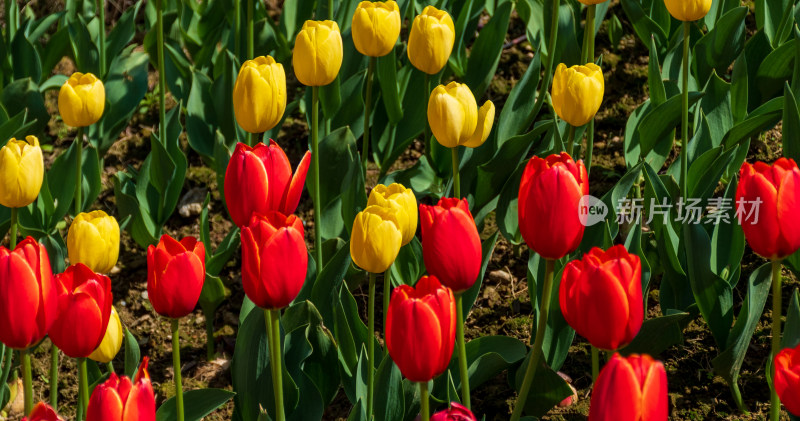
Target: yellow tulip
x,y
93,239
455,119
431,40
376,239
376,27
112,341
259,95
317,55
403,201
577,92
81,100
21,172
688,10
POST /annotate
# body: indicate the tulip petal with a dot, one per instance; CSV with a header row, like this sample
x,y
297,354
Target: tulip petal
x,y
292,195
105,404
616,395
788,210
20,293
284,263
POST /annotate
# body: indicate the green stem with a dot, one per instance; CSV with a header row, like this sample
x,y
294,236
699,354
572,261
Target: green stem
x,y
315,168
589,58
210,348
685,116
371,345
237,28
12,20
162,78
456,175
367,112
276,356
424,402
462,351
250,29
595,362
176,365
775,409
387,294
12,241
83,383
570,140
78,171
427,131
551,52
737,397
7,361
27,380
533,364
110,367
330,9
54,377
101,15
268,320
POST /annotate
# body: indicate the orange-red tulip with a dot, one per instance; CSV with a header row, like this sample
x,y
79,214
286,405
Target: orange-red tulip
x,y
601,296
274,259
549,198
260,179
119,399
630,389
84,309
787,378
176,271
768,205
28,300
421,329
451,245
43,412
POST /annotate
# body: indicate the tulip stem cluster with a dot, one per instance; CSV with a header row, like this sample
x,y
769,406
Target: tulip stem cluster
x,y
315,168
687,26
371,343
775,409
456,178
367,112
27,380
176,365
273,319
462,350
162,74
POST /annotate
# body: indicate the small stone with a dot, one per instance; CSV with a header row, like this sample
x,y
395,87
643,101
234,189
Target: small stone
x,y
491,296
191,203
500,276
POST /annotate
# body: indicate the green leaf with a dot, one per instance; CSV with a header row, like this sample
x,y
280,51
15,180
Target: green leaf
x,y
485,53
662,120
387,78
515,116
791,331
657,334
389,403
470,295
409,264
201,118
761,119
197,404
739,88
717,49
132,354
791,125
775,70
615,31
25,58
325,294
644,27
658,95
212,295
23,95
121,34
547,388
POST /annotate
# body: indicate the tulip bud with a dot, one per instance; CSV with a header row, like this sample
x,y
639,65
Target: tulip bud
x,y
112,341
376,27
93,240
688,10
317,55
549,198
403,201
119,399
455,119
81,100
43,412
601,297
577,92
431,40
451,245
176,272
787,378
28,298
767,205
259,95
630,388
421,329
376,239
21,172
259,180
456,412
274,259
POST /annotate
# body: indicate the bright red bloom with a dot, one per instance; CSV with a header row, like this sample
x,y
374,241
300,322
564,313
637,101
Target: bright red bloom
x,y
787,378
176,271
274,259
451,245
42,412
456,412
28,300
768,205
119,399
421,329
601,296
84,308
630,389
549,196
260,179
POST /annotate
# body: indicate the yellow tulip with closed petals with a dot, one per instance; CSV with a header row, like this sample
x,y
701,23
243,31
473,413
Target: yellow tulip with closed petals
x,y
317,55
688,10
112,341
21,172
259,95
403,201
484,126
376,27
577,92
431,40
81,100
452,114
93,239
376,239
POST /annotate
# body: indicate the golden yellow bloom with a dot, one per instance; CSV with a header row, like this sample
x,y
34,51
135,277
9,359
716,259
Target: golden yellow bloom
x,y
455,119
259,95
81,100
93,239
112,341
317,55
21,172
431,40
577,92
688,10
376,27
403,201
376,239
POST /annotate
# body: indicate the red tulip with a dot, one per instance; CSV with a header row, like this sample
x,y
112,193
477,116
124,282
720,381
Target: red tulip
x,y
119,399
787,378
28,300
456,412
451,246
421,329
274,259
260,179
549,198
601,297
767,205
176,271
43,412
630,389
